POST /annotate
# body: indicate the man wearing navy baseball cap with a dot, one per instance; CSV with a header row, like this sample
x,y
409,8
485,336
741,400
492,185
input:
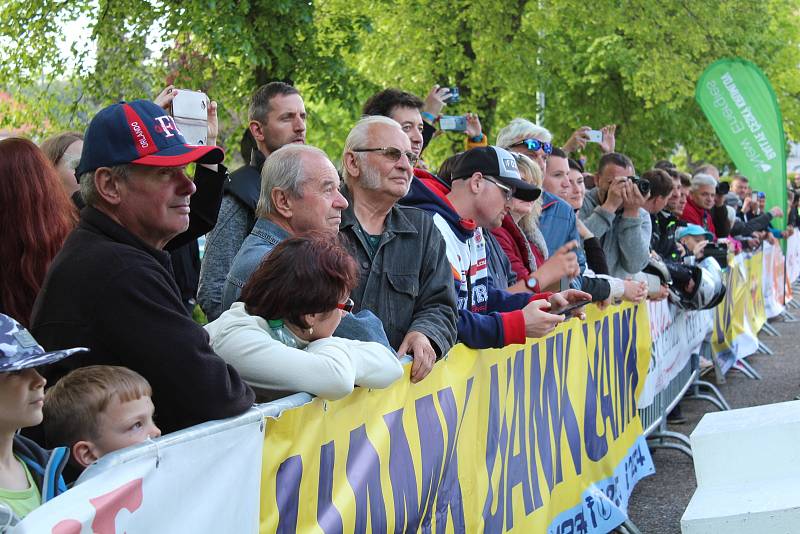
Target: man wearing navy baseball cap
x,y
111,287
485,180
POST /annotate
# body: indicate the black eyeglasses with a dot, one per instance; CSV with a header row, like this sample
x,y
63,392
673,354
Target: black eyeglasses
x,y
347,307
392,153
534,144
504,188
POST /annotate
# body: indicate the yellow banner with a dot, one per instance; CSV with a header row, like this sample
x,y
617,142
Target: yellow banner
x,y
739,317
534,438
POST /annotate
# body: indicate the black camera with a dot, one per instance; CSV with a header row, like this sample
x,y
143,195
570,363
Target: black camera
x,y
643,185
454,97
723,188
718,251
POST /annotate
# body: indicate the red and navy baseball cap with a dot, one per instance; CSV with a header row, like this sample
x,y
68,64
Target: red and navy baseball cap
x,y
139,132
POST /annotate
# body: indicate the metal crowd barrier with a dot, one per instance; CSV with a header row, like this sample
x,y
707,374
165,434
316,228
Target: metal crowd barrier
x,y
686,384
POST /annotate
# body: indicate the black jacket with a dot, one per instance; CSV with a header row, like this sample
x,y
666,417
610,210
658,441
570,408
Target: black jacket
x,y
662,240
109,291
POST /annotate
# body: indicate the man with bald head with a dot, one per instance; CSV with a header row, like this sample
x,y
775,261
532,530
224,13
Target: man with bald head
x,y
404,279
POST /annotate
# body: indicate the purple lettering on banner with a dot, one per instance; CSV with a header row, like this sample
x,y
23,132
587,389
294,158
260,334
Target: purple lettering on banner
x,y
624,335
450,497
287,493
402,474
518,463
328,517
364,475
631,375
496,441
596,443
538,429
606,391
431,439
556,400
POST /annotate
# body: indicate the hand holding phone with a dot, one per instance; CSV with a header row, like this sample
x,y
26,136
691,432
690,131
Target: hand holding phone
x,y
453,123
594,136
190,111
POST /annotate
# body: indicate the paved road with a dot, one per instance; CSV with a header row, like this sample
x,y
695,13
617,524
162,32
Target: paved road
x,y
658,502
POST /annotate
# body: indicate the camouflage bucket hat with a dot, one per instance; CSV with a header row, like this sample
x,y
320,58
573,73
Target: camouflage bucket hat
x,y
18,349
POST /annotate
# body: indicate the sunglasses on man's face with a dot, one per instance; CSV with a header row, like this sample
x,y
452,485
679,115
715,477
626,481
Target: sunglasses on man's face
x,y
347,306
534,144
392,153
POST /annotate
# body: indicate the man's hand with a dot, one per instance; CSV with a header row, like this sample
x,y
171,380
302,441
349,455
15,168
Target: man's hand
x,y
635,291
663,293
563,263
747,204
609,142
165,97
473,125
560,301
615,195
435,100
632,200
776,212
213,124
539,323
577,140
417,345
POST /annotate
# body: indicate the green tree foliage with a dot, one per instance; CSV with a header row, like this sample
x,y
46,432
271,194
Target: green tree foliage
x,y
631,62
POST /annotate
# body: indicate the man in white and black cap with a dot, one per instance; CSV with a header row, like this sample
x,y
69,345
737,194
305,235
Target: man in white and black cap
x,y
485,180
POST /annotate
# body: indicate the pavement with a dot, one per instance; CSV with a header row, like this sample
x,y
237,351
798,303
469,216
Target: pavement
x,y
658,501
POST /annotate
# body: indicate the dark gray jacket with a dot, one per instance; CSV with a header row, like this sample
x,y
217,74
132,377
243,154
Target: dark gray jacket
x,y
408,284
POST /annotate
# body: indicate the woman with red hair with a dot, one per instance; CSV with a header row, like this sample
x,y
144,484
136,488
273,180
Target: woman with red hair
x,y
35,217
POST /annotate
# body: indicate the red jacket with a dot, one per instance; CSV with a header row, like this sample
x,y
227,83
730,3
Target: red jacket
x,y
694,214
515,245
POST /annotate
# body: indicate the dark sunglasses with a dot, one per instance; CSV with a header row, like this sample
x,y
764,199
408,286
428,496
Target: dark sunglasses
x,y
534,144
347,307
392,153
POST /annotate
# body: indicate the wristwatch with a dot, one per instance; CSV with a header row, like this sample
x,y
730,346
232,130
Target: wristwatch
x,y
531,283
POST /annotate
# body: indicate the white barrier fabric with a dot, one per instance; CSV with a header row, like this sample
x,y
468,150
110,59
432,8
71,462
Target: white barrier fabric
x,y
676,334
205,483
793,256
774,281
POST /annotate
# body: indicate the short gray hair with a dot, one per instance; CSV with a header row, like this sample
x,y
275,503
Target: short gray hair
x,y
89,188
700,180
284,169
359,136
520,129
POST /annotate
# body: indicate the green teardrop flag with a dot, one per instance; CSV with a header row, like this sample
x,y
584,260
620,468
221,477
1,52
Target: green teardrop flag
x,y
740,104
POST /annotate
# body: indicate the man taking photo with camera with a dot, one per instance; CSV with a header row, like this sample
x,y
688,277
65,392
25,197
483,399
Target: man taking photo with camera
x,y
613,212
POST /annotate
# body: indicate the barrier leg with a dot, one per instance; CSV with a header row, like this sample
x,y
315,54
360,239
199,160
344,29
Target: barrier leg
x,y
762,348
658,440
745,368
788,317
714,398
628,528
792,304
770,330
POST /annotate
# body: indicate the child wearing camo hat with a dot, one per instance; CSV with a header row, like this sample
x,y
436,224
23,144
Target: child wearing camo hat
x,y
29,474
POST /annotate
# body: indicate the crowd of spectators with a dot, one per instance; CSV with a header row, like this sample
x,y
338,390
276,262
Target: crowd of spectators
x,y
314,278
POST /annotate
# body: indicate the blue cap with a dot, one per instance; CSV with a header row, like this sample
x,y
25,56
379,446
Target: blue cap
x,y
139,132
693,229
18,349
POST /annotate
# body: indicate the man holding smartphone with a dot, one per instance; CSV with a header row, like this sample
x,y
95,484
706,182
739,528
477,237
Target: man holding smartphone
x,y
277,118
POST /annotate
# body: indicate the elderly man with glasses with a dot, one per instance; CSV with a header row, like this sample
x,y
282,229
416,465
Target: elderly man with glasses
x,y
484,182
404,277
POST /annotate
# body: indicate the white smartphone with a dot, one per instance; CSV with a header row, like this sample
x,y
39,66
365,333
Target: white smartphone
x,y
595,136
190,111
453,123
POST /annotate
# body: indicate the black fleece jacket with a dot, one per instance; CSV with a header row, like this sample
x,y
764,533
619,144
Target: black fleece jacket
x,y
109,291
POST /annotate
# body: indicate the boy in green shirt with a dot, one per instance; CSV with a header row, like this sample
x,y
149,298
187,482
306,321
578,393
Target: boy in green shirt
x,y
29,474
